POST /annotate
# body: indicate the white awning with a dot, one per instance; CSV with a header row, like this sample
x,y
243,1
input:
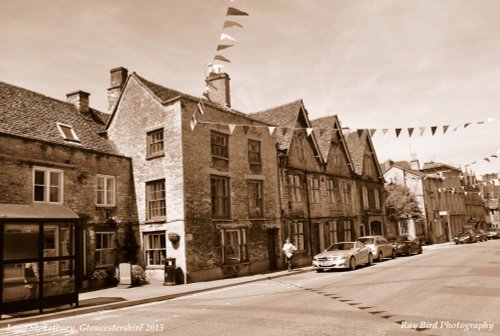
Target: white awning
x,y
33,211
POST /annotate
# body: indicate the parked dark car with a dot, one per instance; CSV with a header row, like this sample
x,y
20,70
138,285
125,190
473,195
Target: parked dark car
x,y
492,233
480,235
406,245
465,237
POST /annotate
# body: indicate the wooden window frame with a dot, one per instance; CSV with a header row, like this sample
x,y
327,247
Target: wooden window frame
x,y
156,202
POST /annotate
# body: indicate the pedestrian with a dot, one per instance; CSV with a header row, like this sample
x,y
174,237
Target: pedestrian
x,y
288,249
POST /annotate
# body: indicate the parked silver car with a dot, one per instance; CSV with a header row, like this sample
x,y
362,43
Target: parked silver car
x,y
493,233
343,255
380,247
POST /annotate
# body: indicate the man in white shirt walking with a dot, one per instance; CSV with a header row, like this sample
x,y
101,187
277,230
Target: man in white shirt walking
x,y
288,249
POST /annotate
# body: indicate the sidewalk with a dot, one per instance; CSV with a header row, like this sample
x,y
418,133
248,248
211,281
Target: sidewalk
x,y
114,297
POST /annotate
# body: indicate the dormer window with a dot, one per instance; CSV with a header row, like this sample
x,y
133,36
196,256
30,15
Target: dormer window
x,y
67,132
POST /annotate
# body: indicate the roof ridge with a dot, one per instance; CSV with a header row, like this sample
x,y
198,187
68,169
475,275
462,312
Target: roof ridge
x,y
46,96
194,98
298,101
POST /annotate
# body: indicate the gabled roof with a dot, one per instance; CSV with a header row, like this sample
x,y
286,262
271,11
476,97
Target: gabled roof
x,y
166,95
356,142
32,115
284,116
326,129
406,169
436,166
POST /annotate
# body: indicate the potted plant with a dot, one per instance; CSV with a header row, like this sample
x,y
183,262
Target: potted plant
x,y
174,237
98,278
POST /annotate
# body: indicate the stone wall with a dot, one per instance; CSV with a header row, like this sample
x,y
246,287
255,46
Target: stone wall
x,y
20,155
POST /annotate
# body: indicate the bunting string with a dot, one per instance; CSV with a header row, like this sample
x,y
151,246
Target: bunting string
x,y
226,41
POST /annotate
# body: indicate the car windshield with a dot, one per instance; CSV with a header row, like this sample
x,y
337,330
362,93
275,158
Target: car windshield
x,y
367,240
340,247
398,239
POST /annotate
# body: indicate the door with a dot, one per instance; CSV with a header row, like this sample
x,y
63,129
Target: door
x,y
271,248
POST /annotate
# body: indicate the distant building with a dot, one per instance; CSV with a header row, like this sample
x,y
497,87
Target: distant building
x,y
448,198
489,187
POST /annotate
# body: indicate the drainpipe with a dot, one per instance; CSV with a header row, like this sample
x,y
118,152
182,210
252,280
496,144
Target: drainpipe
x,y
279,172
309,223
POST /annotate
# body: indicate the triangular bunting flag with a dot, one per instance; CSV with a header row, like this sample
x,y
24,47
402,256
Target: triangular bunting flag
x,y
491,119
221,58
410,131
384,131
433,129
309,130
398,131
372,131
231,128
466,124
271,130
224,36
455,128
200,108
465,192
422,130
284,130
486,159
360,132
473,162
228,24
224,46
445,128
245,129
480,122
235,11
495,156
193,122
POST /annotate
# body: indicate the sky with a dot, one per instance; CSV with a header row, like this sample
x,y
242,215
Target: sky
x,y
382,64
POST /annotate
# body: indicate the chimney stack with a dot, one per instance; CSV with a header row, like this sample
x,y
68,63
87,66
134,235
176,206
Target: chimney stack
x,y
118,79
218,88
80,99
415,164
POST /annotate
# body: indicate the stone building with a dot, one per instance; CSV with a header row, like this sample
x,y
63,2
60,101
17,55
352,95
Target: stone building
x,y
489,187
319,203
425,189
369,184
207,196
54,160
448,198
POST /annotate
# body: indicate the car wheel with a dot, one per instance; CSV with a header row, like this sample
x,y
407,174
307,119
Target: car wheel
x,y
352,264
420,250
380,257
393,255
319,270
409,251
370,259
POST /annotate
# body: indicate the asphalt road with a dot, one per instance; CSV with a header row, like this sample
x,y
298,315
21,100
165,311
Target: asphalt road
x,y
448,291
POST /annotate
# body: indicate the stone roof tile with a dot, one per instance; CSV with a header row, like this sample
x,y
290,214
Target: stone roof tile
x,y
32,115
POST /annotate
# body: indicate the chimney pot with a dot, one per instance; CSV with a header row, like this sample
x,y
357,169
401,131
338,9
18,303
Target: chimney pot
x,y
80,99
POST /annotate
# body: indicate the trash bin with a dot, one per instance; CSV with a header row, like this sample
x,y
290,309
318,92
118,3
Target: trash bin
x,y
169,272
